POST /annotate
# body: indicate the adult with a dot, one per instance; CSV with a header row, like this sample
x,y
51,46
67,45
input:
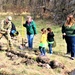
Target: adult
x,y
68,30
31,30
5,29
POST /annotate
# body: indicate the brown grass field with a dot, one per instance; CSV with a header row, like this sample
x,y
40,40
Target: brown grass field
x,y
15,67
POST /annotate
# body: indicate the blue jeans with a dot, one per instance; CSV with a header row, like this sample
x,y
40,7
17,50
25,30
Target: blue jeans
x,y
72,41
50,48
42,50
30,40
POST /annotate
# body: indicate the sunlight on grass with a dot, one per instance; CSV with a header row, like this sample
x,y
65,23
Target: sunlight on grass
x,y
58,51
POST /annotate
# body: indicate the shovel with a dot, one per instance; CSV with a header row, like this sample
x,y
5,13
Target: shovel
x,y
22,46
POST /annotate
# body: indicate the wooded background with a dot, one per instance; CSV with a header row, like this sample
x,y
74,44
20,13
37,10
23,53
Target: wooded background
x,y
53,9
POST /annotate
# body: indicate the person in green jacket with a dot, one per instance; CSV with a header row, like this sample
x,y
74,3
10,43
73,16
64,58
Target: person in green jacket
x,y
31,30
68,31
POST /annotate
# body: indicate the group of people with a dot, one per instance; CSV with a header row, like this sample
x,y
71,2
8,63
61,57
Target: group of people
x,y
31,31
47,35
68,33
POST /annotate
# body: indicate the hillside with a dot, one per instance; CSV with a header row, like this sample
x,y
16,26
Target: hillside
x,y
26,62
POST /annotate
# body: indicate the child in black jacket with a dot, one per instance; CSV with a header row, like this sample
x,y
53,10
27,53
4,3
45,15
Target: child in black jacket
x,y
50,39
13,31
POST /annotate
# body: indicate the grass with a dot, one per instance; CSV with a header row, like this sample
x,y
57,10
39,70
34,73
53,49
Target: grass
x,y
59,51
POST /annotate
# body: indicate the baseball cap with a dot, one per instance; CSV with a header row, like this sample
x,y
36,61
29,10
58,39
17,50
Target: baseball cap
x,y
9,18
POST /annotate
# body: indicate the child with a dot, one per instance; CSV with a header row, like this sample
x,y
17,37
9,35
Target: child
x,y
43,42
50,39
13,31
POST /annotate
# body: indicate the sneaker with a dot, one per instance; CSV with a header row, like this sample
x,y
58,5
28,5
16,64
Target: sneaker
x,y
50,53
30,48
42,55
72,58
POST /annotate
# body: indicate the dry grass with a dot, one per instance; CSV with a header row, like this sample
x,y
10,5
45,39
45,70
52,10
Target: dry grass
x,y
8,66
